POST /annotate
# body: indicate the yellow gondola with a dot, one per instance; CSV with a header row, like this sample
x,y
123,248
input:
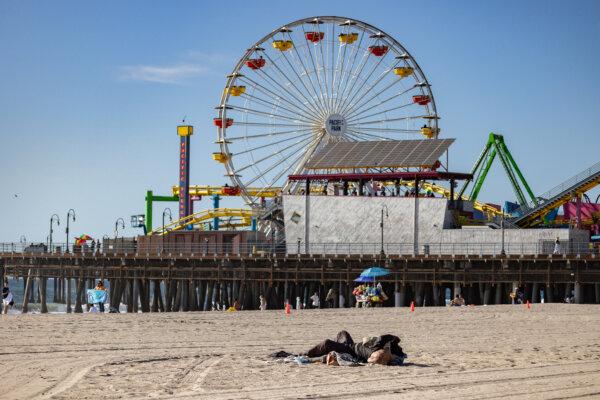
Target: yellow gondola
x,y
220,157
236,90
283,45
403,72
427,132
348,38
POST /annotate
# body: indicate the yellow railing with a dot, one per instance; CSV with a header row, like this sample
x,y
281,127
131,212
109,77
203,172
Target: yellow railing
x,y
483,207
207,190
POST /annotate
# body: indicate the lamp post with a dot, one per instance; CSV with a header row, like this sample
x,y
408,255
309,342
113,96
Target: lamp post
x,y
70,213
384,207
502,252
53,218
117,226
162,237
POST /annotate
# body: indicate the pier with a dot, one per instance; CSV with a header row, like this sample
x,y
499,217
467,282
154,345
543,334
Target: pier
x,y
181,279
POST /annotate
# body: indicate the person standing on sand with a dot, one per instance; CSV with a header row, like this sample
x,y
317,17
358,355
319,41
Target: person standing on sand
x,y
330,298
100,286
7,297
263,303
316,302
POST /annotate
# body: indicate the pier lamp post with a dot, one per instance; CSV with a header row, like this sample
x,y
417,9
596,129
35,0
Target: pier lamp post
x,y
53,218
162,237
384,207
502,251
70,214
117,226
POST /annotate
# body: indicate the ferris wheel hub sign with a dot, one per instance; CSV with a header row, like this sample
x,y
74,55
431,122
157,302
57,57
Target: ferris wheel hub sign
x,y
335,125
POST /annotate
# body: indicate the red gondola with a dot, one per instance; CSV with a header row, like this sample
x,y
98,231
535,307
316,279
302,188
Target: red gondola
x,y
219,122
255,63
378,51
314,37
231,190
421,99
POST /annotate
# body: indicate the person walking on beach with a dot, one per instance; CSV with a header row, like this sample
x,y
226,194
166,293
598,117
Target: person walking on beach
x,y
100,286
316,302
7,297
330,298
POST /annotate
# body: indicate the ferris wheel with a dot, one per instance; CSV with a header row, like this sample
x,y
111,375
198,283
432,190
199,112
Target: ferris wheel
x,y
312,82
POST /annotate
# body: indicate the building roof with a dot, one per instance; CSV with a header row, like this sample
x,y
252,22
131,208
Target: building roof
x,y
380,154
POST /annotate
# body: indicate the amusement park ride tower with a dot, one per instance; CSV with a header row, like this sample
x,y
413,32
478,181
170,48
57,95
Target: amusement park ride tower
x,y
185,204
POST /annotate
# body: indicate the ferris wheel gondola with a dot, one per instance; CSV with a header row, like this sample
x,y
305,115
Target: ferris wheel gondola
x,y
312,82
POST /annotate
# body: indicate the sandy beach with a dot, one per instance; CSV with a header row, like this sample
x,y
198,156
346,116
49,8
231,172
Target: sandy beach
x,y
551,351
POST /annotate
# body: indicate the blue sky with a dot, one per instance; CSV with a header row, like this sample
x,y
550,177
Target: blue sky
x,y
91,92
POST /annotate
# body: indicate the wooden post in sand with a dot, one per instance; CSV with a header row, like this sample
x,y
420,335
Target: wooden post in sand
x,y
568,290
32,292
435,294
155,296
535,292
68,299
42,285
486,293
129,295
24,309
418,294
121,285
184,295
79,292
208,297
63,292
136,292
498,294
177,303
548,294
201,288
193,300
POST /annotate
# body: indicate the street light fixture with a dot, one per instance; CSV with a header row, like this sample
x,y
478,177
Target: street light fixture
x,y
117,226
384,207
70,213
53,218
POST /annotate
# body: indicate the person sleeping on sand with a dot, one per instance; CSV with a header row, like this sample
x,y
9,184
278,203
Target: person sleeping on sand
x,y
343,350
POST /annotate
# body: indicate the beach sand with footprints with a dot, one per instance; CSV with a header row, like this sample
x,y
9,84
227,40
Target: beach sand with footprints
x,y
550,351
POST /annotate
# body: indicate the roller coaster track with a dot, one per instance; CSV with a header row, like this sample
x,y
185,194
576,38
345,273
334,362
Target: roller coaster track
x,y
532,214
205,216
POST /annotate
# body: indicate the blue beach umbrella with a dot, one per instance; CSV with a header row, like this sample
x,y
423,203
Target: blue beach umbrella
x,y
364,279
374,272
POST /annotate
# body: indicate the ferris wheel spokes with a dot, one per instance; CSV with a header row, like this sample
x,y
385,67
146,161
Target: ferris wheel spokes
x,y
277,96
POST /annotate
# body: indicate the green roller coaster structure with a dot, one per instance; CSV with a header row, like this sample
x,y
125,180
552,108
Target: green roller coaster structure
x,y
495,146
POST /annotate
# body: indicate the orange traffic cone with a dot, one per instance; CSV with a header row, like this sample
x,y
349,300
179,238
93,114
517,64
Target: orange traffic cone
x,y
287,308
528,305
412,306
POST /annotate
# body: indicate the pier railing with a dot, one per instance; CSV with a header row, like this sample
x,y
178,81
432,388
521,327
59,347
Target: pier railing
x,y
291,249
